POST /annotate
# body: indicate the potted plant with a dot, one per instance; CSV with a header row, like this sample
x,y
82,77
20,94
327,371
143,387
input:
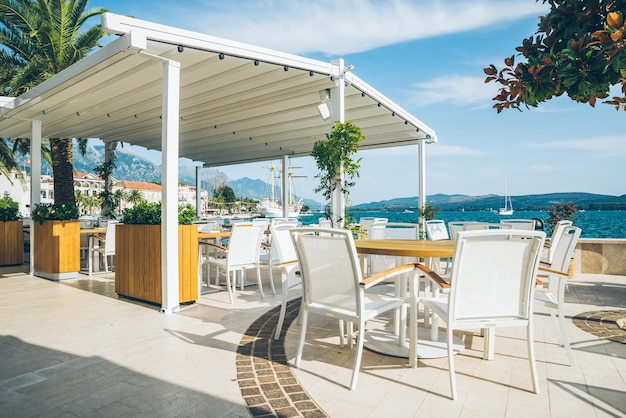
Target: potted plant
x,y
138,254
57,234
11,232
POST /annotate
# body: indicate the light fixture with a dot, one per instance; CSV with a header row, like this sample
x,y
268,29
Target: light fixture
x,y
221,55
181,48
324,111
323,108
256,62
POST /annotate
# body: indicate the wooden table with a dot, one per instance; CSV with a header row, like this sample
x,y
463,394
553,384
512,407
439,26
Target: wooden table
x,y
385,341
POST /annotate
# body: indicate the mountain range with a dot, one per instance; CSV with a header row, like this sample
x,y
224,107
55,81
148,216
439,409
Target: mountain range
x,y
129,165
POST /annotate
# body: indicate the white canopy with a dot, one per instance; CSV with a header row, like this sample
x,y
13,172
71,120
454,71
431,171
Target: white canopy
x,y
204,98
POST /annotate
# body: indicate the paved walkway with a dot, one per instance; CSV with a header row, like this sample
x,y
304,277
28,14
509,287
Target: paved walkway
x,y
74,349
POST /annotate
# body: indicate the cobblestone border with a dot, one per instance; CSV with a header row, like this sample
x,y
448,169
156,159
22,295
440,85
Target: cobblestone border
x,y
268,386
602,324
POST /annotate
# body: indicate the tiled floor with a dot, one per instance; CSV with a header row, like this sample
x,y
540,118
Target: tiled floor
x,y
74,349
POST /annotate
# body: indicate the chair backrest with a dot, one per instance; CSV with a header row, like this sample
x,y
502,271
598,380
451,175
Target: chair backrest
x,y
456,227
324,223
109,238
436,230
493,275
556,236
330,270
523,224
401,230
282,245
564,250
244,245
376,229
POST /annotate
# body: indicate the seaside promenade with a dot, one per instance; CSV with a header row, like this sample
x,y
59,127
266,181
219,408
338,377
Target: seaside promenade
x,y
75,349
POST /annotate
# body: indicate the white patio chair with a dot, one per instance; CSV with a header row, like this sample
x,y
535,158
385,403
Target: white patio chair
x,y
332,284
436,230
104,246
557,232
523,224
242,253
456,227
552,294
493,276
287,261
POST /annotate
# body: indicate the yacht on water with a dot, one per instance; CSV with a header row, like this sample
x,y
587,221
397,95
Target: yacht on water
x,y
269,206
508,205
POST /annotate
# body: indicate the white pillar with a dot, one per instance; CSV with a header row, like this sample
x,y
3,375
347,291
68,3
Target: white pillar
x,y
284,178
421,151
35,182
338,106
169,221
198,191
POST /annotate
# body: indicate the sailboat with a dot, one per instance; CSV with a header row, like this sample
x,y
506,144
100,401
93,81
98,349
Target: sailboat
x,y
508,205
270,207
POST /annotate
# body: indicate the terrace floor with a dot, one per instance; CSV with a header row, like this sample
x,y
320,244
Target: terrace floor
x,y
75,349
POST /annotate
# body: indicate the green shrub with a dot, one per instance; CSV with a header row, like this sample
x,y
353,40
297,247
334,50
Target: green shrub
x,y
145,213
9,209
54,212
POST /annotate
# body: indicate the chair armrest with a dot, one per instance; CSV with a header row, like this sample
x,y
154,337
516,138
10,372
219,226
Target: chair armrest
x,y
212,244
286,263
383,275
98,237
434,277
549,270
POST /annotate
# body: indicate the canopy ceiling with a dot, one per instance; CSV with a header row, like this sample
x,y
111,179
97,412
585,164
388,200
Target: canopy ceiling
x,y
238,103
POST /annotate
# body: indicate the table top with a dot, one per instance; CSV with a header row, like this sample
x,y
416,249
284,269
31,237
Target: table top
x,y
406,248
214,234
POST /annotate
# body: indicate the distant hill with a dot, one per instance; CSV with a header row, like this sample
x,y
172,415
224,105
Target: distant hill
x,y
135,167
486,202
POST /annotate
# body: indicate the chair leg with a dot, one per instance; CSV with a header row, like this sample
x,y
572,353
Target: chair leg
x,y
258,280
562,329
357,357
283,307
272,277
304,314
531,357
451,362
230,290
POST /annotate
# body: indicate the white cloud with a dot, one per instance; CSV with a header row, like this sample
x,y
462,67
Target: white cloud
x,y
605,145
350,26
454,89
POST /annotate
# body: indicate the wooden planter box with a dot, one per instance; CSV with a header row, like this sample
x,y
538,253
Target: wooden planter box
x,y
56,249
11,243
138,262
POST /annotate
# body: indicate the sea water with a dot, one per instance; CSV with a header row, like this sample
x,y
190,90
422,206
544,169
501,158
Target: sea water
x,y
594,224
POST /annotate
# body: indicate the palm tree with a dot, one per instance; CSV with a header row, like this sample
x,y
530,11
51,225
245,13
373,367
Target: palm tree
x,y
40,38
135,196
119,197
8,163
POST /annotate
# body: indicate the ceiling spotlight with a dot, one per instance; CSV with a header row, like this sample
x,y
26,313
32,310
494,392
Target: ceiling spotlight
x,y
256,62
311,73
323,110
221,55
181,48
286,68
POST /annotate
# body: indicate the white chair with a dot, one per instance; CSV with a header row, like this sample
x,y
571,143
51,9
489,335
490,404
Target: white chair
x,y
493,276
552,294
332,284
269,255
325,223
456,227
287,261
436,230
243,253
104,246
554,239
390,230
523,224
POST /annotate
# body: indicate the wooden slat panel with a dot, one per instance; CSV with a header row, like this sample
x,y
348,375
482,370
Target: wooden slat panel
x,y
57,247
138,262
11,243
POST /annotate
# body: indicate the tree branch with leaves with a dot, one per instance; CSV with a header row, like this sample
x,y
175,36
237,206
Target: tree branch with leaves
x,y
578,50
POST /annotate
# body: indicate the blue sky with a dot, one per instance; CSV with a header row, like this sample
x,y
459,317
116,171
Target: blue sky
x,y
428,57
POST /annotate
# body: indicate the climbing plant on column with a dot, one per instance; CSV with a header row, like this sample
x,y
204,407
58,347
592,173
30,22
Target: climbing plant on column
x,y
335,160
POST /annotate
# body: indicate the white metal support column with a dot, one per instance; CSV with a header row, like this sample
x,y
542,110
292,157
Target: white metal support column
x,y
284,178
421,155
169,222
199,191
35,182
337,108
